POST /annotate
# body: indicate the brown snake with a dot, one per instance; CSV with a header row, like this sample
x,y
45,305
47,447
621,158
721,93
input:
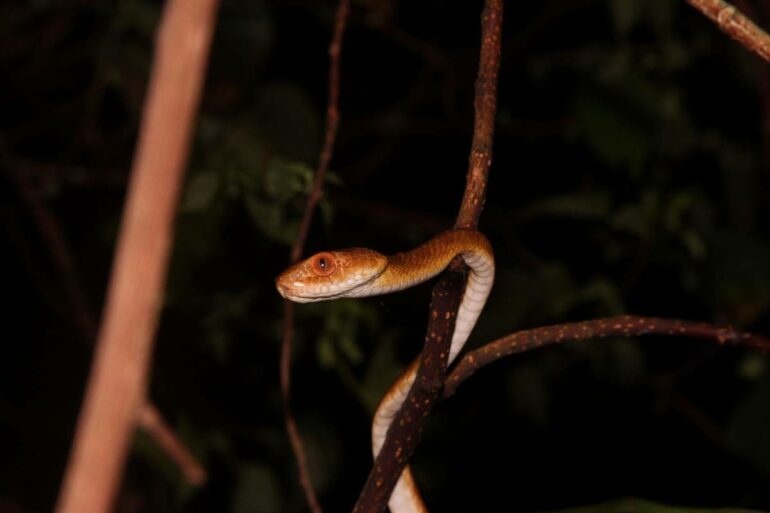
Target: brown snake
x,y
360,272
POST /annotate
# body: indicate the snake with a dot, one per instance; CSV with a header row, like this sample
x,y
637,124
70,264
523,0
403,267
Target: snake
x,y
362,272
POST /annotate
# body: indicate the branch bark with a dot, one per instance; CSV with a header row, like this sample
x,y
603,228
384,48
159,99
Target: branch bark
x,y
404,433
118,380
623,326
735,24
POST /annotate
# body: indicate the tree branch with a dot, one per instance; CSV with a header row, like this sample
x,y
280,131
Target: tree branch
x,y
485,109
403,434
332,124
118,380
405,431
624,325
735,24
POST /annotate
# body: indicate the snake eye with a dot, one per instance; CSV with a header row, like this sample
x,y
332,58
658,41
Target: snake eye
x,y
324,264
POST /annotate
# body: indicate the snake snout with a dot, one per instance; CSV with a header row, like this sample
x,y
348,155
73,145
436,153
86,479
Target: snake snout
x,y
283,290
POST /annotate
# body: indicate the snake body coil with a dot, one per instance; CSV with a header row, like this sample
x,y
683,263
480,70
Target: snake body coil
x,y
359,272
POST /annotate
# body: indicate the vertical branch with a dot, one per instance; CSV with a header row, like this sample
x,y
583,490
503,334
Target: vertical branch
x,y
403,435
118,380
332,123
485,110
406,429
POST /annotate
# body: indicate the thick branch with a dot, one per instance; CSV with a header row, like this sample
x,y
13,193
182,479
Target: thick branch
x,y
118,380
624,325
735,24
405,431
332,123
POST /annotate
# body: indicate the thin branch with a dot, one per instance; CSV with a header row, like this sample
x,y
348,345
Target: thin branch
x,y
155,425
485,108
332,124
118,381
735,24
624,325
85,319
403,434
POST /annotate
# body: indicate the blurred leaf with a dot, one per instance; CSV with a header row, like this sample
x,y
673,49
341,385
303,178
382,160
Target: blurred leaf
x,y
737,275
747,433
753,366
287,120
284,179
592,206
642,506
200,192
257,490
627,14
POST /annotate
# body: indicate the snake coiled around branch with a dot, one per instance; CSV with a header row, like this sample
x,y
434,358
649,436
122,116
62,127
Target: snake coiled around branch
x,y
361,272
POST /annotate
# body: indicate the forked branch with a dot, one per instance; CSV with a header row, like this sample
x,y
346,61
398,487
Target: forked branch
x,y
118,381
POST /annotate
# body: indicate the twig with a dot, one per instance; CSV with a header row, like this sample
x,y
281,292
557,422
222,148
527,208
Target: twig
x,y
403,435
735,24
624,325
66,267
118,380
155,425
332,124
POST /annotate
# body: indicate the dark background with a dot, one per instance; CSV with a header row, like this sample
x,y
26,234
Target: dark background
x,y
630,174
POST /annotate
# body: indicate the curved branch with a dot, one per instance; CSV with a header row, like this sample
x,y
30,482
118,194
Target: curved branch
x,y
623,325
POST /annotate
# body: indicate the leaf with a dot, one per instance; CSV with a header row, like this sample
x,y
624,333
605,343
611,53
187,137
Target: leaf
x,y
642,506
591,206
257,490
200,192
746,434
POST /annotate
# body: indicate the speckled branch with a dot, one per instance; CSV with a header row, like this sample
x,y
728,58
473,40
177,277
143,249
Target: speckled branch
x,y
734,23
406,429
624,326
485,112
403,437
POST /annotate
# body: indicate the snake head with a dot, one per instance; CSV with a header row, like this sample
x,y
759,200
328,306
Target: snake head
x,y
331,275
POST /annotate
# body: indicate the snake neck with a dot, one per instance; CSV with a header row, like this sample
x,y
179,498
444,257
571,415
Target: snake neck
x,y
408,269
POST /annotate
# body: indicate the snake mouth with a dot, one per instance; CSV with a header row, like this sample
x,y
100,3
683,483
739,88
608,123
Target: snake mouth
x,y
292,294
